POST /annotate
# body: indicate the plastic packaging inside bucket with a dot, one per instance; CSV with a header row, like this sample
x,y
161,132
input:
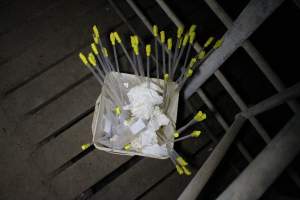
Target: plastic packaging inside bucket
x,y
135,115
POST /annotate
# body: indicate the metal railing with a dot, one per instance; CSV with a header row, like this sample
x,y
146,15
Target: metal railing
x,y
249,20
207,169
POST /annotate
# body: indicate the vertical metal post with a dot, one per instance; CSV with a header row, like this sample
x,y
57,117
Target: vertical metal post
x,y
209,166
262,64
212,108
273,101
197,47
205,172
259,60
176,20
140,15
228,88
241,104
179,24
248,21
223,81
223,123
267,166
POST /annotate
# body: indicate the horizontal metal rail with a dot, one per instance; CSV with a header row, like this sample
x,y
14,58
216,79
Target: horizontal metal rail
x,y
218,74
200,92
267,166
223,123
211,163
176,20
259,60
262,64
227,87
248,21
264,67
267,71
200,179
267,104
221,78
271,75
241,104
202,95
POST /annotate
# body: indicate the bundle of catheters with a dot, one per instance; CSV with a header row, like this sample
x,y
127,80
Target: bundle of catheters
x,y
136,113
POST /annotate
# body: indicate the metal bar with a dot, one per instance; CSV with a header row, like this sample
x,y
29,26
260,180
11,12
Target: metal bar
x,y
273,101
223,123
176,20
232,92
240,146
259,60
140,14
197,47
265,68
227,86
261,131
212,108
263,65
209,166
267,71
248,21
200,92
223,81
212,136
229,89
267,166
